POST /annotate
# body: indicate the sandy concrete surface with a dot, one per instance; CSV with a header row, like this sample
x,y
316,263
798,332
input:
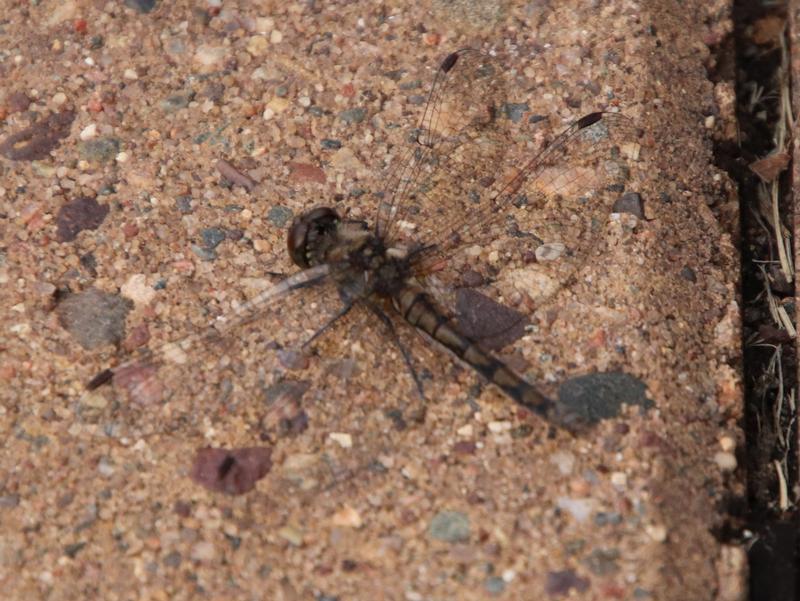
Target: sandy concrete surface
x,y
370,499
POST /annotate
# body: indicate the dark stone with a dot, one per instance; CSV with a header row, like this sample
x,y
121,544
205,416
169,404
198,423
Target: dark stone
x,y
515,111
9,501
72,550
329,144
214,91
562,582
472,278
99,150
94,318
487,321
177,102
78,215
17,102
410,85
142,6
212,237
688,274
602,562
172,559
231,471
630,202
599,396
35,142
279,215
184,204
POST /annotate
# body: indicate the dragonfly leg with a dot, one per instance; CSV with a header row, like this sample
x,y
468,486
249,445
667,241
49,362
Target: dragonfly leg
x,y
386,320
328,325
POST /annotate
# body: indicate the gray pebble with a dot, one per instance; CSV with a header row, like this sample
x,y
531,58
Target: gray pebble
x,y
449,526
355,115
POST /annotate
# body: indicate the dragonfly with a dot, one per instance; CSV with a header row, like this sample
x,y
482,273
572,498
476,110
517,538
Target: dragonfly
x,y
470,191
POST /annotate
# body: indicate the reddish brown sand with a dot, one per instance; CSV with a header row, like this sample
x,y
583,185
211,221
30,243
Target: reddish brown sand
x,y
464,504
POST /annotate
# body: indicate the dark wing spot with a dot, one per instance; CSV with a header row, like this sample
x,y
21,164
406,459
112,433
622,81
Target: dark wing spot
x,y
449,62
104,377
589,119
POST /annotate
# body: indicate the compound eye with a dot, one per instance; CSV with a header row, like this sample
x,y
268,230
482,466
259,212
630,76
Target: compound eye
x,y
305,230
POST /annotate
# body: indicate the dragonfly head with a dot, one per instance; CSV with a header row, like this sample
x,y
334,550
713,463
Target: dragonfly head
x,y
310,233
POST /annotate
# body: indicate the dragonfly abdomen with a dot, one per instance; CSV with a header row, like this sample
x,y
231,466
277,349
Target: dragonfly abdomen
x,y
417,309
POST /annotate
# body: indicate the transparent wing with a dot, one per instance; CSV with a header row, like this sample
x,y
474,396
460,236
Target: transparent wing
x,y
548,205
465,101
236,358
289,370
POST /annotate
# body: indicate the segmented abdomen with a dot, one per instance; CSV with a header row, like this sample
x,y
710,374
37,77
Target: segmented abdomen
x,y
417,309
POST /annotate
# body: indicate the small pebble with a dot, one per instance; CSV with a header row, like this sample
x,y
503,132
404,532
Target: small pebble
x,y
465,431
450,527
564,460
347,517
494,585
579,508
726,461
203,551
138,290
343,439
292,535
105,467
212,237
515,112
657,532
631,203
619,480
355,115
550,251
498,427
331,144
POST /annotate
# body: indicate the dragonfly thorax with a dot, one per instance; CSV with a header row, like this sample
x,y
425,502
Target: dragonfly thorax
x,y
363,262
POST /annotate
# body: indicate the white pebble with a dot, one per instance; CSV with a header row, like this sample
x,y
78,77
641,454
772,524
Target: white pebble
x,y
59,98
347,517
725,461
619,480
564,461
137,289
130,74
88,132
275,37
343,439
579,508
657,532
498,427
465,431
